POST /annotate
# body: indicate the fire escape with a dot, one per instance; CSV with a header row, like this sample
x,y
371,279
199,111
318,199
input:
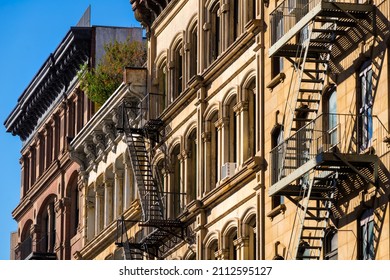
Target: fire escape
x,y
161,227
314,159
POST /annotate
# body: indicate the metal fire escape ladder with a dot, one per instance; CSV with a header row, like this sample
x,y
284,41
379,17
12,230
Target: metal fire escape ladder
x,y
149,193
309,229
129,252
311,63
161,230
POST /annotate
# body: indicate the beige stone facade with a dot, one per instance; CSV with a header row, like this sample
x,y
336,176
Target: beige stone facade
x,y
267,122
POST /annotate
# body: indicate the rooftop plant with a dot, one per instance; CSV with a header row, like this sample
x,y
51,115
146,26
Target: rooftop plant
x,y
102,81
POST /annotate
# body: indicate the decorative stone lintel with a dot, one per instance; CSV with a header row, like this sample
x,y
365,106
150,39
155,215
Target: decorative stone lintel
x,y
280,209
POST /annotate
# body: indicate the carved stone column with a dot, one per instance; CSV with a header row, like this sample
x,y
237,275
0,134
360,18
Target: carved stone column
x,y
62,127
206,138
118,192
242,113
55,137
108,202
50,228
38,156
99,209
128,192
89,218
23,176
223,135
35,233
241,244
32,166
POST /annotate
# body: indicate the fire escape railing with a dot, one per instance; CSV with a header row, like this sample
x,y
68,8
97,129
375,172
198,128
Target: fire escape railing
x,y
344,133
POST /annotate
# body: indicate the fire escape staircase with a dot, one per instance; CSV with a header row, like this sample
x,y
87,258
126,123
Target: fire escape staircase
x,y
311,183
161,232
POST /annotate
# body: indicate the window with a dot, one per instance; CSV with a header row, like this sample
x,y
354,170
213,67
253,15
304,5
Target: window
x,y
365,103
331,244
251,139
276,66
232,132
176,182
162,86
250,10
366,232
277,157
75,210
215,33
213,156
178,72
25,247
192,166
251,233
331,117
194,52
212,250
233,249
234,20
48,226
303,250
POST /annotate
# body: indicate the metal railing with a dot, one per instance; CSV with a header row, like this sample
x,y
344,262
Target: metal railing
x,y
173,203
44,245
344,133
288,13
152,105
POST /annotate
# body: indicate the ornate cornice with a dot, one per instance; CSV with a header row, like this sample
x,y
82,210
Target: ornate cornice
x,y
146,11
51,81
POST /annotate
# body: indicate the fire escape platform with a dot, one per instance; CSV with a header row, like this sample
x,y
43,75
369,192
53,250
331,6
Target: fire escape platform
x,y
283,47
323,160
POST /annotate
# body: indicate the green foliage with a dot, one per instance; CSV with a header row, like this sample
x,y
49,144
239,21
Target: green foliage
x,y
100,82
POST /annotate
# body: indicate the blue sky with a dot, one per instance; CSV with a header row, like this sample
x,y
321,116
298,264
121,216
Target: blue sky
x,y
30,31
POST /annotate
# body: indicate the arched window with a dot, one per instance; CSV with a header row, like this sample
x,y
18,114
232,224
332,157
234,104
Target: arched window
x,y
212,152
75,208
176,183
215,42
212,250
331,244
178,81
25,247
48,227
230,238
232,131
193,65
250,230
277,158
192,180
250,10
250,122
234,20
162,78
